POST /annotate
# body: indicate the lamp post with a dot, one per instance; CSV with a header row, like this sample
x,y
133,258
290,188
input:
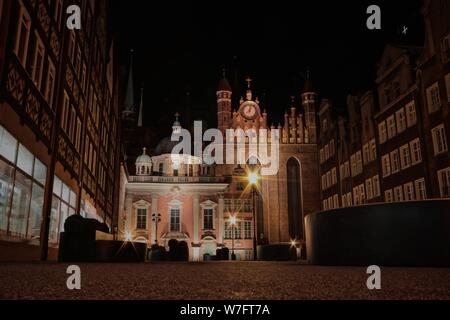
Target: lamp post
x,y
233,226
253,180
156,218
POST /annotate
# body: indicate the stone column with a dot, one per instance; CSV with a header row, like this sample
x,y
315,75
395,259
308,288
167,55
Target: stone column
x,y
195,227
154,209
129,215
220,210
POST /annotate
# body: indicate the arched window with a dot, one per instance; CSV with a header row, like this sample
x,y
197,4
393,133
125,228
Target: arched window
x,y
295,208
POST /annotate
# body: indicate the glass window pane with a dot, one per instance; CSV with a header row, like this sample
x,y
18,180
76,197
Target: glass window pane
x,y
57,184
40,172
6,174
25,160
73,199
64,215
54,222
65,193
8,145
20,205
37,203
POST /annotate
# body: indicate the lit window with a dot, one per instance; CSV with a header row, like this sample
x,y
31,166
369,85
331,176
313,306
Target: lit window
x,y
405,157
398,193
382,132
23,36
376,186
391,130
247,230
411,116
439,139
401,120
395,161
447,85
38,62
416,155
433,98
369,189
373,150
444,182
409,191
386,165
421,193
50,83
141,219
388,197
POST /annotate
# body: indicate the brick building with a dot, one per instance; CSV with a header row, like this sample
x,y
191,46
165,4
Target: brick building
x,y
58,124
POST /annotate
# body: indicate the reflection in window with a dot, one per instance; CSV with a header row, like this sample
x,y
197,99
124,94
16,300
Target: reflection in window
x,y
6,174
20,205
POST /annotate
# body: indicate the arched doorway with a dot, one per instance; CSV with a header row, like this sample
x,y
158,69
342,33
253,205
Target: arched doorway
x,y
295,201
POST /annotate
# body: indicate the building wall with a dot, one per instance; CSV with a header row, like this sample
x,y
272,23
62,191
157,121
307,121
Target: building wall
x,y
56,101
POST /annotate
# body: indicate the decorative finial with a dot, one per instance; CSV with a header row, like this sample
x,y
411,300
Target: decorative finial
x,y
249,81
177,115
224,72
292,100
144,149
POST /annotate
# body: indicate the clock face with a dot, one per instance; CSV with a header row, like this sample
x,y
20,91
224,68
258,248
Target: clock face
x,y
249,111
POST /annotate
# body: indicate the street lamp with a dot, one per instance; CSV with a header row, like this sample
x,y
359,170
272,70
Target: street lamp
x,y
156,218
253,180
233,225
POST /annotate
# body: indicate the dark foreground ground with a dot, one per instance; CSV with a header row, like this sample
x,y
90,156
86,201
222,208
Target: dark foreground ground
x,y
219,280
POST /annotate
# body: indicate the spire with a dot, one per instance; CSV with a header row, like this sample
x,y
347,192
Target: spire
x,y
308,86
129,97
224,85
176,127
141,107
249,90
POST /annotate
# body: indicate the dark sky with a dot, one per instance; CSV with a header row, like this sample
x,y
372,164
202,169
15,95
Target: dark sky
x,y
181,47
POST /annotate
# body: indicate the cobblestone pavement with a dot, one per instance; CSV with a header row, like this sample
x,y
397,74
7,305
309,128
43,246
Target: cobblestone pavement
x,y
218,280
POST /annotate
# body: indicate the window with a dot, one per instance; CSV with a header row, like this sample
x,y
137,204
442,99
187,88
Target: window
x,y
141,219
386,165
356,195
247,230
23,36
369,189
175,219
228,232
398,193
330,203
324,182
321,156
65,113
447,85
391,130
349,199
439,139
341,172
238,230
208,219
327,152
401,120
50,83
411,117
395,161
416,155
325,205
336,201
433,98
409,191
376,186
419,185
332,148
388,196
366,153
362,194
354,165
333,176
328,178
405,157
382,132
38,63
63,206
444,182
8,145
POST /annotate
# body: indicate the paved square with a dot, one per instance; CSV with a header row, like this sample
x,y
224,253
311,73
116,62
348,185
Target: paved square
x,y
218,280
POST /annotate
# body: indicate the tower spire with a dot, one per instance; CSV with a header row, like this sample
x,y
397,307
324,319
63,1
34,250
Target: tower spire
x,y
249,90
129,97
141,107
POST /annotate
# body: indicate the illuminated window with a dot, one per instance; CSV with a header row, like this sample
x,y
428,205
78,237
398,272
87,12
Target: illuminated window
x,y
444,182
388,196
398,193
419,185
416,155
391,130
23,36
411,117
50,83
405,157
433,98
409,191
439,139
401,120
382,132
395,161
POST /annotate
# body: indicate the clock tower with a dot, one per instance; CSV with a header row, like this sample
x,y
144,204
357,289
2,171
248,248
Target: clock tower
x,y
249,114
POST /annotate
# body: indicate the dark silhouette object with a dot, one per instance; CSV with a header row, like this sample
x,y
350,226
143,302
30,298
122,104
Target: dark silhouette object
x,y
223,254
120,251
77,242
277,252
393,234
183,251
173,246
158,253
207,257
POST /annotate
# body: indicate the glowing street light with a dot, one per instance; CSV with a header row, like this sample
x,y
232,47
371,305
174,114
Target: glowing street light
x,y
253,178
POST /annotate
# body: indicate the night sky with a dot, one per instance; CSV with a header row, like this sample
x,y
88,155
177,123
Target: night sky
x,y
181,47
